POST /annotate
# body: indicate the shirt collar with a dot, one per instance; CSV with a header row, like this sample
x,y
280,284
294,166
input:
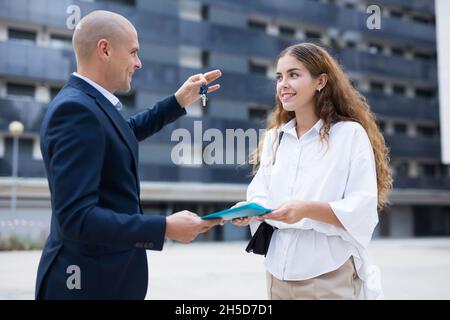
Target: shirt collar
x,y
318,125
108,95
290,127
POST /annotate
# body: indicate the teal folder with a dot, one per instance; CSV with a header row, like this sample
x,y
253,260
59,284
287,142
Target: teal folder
x,y
247,210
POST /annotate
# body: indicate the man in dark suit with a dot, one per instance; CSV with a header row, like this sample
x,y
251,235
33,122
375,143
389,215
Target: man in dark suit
x,y
99,235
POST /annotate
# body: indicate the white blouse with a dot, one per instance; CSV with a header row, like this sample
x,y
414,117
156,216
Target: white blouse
x,y
341,172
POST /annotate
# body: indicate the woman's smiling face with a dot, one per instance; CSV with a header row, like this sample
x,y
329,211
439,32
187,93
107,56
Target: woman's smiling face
x,y
295,85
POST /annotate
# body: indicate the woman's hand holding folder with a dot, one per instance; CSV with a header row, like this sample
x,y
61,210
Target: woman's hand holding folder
x,y
243,222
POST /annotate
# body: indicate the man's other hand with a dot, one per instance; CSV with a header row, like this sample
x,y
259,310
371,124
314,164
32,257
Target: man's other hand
x,y
185,226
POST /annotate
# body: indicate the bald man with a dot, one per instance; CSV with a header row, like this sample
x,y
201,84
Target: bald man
x,y
99,235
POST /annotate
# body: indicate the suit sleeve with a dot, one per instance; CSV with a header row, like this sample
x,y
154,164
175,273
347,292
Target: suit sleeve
x,y
151,120
75,144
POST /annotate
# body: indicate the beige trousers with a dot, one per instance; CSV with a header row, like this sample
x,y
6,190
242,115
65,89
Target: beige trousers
x,y
342,283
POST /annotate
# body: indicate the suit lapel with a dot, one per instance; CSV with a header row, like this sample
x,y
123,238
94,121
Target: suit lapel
x,y
113,114
121,126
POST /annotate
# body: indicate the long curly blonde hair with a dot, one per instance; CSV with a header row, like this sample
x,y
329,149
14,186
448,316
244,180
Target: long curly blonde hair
x,y
338,101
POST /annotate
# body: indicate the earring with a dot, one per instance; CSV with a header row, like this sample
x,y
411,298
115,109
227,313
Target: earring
x,y
318,90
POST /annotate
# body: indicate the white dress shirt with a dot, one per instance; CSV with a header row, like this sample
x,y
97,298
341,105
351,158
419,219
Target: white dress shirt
x,y
342,173
108,95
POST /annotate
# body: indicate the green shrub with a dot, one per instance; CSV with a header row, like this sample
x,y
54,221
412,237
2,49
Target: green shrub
x,y
17,242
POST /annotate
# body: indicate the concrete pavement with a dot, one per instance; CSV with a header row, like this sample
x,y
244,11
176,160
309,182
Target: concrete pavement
x,y
410,269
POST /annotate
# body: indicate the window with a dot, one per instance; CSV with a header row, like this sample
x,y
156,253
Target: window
x,y
375,48
396,14
258,114
60,41
423,19
20,90
205,58
313,35
349,5
398,90
257,68
287,31
426,131
127,100
193,10
21,35
424,56
257,25
431,221
400,128
401,168
350,44
397,51
376,87
131,3
54,91
446,171
205,12
25,149
425,93
428,170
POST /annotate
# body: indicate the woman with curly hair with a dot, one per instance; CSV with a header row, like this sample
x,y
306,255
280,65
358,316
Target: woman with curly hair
x,y
324,168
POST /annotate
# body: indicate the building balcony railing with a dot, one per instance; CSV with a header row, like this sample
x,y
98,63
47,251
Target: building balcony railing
x,y
171,29
239,42
329,15
52,65
29,112
392,29
401,182
55,66
404,107
204,174
414,147
35,62
421,72
208,174
26,168
188,123
422,6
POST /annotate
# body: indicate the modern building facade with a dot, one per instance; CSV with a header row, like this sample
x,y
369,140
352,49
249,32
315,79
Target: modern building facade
x,y
394,67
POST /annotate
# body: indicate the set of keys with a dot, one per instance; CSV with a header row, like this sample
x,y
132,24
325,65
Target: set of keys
x,y
203,91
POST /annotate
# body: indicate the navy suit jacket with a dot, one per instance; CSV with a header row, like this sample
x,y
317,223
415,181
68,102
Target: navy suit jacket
x,y
91,158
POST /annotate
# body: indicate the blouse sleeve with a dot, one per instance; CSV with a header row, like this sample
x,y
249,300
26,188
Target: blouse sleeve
x,y
357,210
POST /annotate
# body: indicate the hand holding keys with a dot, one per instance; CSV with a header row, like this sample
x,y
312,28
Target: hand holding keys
x,y
198,84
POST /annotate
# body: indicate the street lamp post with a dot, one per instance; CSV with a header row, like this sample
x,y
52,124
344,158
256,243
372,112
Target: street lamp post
x,y
16,129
